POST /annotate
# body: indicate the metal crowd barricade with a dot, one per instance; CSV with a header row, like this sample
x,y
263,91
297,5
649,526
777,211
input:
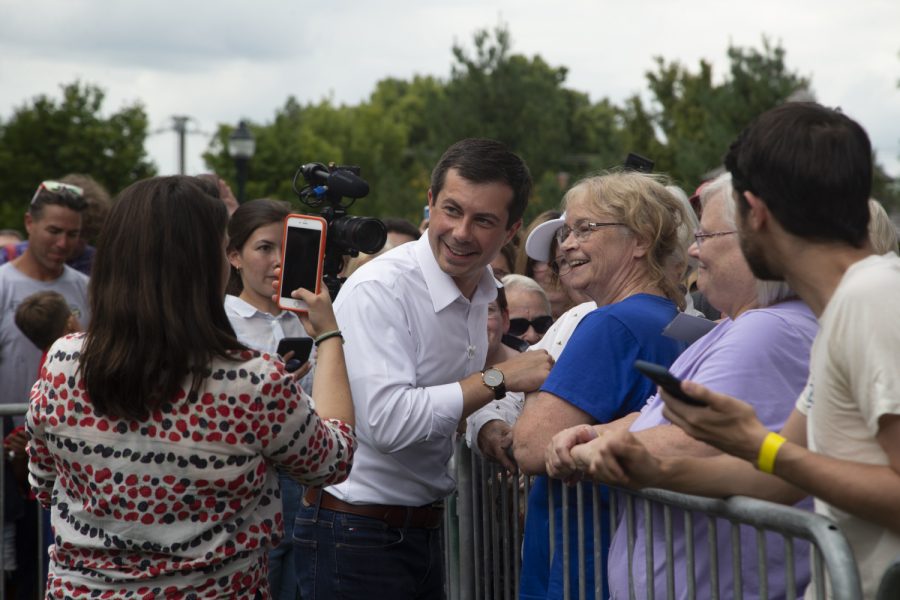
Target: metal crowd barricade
x,y
486,515
16,410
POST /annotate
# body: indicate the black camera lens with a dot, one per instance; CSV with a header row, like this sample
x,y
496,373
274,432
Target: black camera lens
x,y
365,234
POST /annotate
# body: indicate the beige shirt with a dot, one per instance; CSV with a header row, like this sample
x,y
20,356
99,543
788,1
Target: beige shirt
x,y
854,380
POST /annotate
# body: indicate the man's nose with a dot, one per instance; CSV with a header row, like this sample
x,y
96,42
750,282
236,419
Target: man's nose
x,y
463,230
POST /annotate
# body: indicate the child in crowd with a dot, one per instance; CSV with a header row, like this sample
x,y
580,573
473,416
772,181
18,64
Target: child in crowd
x,y
43,317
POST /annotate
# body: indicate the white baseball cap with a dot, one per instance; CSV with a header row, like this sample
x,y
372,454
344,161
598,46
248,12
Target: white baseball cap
x,y
537,246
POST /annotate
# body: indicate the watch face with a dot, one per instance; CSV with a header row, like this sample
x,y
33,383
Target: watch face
x,y
493,377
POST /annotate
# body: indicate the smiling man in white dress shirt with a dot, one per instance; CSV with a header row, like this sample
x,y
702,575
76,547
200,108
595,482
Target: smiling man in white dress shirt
x,y
415,325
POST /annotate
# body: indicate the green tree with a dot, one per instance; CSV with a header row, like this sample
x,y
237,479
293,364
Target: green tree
x,y
400,131
524,102
48,138
363,135
692,119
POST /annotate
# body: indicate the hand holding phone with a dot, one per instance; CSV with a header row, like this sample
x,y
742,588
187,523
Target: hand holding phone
x,y
302,259
664,379
300,346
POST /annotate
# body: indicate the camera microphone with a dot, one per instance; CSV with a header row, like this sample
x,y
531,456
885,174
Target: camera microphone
x,y
345,183
339,183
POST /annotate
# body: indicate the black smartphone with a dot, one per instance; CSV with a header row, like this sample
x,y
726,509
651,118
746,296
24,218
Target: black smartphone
x,y
301,346
636,162
664,379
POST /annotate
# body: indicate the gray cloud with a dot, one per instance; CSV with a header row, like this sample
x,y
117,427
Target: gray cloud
x,y
221,61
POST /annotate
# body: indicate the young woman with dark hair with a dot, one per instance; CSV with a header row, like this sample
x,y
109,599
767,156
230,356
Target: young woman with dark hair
x,y
156,434
255,234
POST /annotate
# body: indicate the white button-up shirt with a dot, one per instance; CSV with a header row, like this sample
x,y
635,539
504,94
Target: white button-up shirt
x,y
410,337
261,331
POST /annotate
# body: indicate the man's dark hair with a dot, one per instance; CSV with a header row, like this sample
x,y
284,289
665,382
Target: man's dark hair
x,y
812,166
63,197
401,226
481,160
156,297
43,318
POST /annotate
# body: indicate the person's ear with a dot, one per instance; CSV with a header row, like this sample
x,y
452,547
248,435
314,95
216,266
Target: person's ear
x,y
758,213
512,231
641,248
29,222
234,257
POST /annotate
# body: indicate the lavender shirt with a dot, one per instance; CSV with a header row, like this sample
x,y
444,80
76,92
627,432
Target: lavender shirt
x,y
761,357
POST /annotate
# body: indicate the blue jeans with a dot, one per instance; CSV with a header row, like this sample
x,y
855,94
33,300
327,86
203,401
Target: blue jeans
x,y
339,555
282,576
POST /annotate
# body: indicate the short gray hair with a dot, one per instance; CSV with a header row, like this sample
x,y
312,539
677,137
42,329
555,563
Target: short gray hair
x,y
882,232
767,292
522,283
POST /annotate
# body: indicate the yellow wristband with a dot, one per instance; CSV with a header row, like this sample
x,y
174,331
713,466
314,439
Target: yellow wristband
x,y
768,451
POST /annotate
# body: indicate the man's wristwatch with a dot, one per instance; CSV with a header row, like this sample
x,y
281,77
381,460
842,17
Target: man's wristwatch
x,y
492,378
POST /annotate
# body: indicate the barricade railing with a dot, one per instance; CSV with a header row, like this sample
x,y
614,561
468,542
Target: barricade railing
x,y
486,515
483,533
16,410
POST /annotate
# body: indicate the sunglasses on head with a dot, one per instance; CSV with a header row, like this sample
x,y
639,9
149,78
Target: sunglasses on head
x,y
56,187
520,325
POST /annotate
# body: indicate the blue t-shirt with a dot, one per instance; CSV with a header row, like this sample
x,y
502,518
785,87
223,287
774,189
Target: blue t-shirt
x,y
596,373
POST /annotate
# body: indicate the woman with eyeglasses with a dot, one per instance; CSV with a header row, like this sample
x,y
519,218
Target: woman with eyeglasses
x,y
620,232
760,352
155,436
529,309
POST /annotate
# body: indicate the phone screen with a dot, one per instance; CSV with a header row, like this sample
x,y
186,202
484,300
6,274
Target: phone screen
x,y
301,260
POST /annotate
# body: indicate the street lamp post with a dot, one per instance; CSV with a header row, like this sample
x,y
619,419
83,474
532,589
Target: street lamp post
x,y
241,147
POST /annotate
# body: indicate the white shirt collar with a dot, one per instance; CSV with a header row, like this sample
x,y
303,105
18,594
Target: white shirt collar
x,y
246,310
441,287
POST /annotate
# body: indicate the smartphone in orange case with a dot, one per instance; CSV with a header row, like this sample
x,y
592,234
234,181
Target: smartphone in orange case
x,y
302,259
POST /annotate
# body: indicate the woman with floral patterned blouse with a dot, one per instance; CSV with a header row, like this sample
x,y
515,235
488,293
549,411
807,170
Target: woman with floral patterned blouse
x,y
155,436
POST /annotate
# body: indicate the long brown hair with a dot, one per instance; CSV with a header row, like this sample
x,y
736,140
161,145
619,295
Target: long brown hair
x,y
156,295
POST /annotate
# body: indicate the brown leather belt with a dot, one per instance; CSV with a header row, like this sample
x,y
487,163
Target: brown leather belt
x,y
397,517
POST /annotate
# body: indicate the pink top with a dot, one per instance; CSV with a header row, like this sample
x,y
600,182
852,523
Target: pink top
x,y
186,503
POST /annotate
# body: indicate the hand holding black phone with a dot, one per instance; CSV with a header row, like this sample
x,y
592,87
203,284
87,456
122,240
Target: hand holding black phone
x,y
301,346
664,379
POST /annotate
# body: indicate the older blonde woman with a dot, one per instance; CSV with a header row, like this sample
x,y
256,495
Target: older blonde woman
x,y
620,231
759,351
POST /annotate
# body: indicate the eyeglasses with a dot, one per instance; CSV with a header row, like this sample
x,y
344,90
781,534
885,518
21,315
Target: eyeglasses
x,y
699,236
56,187
581,231
560,265
519,326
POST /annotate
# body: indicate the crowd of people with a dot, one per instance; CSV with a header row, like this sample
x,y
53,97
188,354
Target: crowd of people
x,y
173,452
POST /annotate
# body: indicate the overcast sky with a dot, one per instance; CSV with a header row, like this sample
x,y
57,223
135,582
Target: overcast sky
x,y
219,61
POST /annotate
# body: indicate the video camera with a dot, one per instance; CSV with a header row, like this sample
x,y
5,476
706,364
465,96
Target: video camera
x,y
326,189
